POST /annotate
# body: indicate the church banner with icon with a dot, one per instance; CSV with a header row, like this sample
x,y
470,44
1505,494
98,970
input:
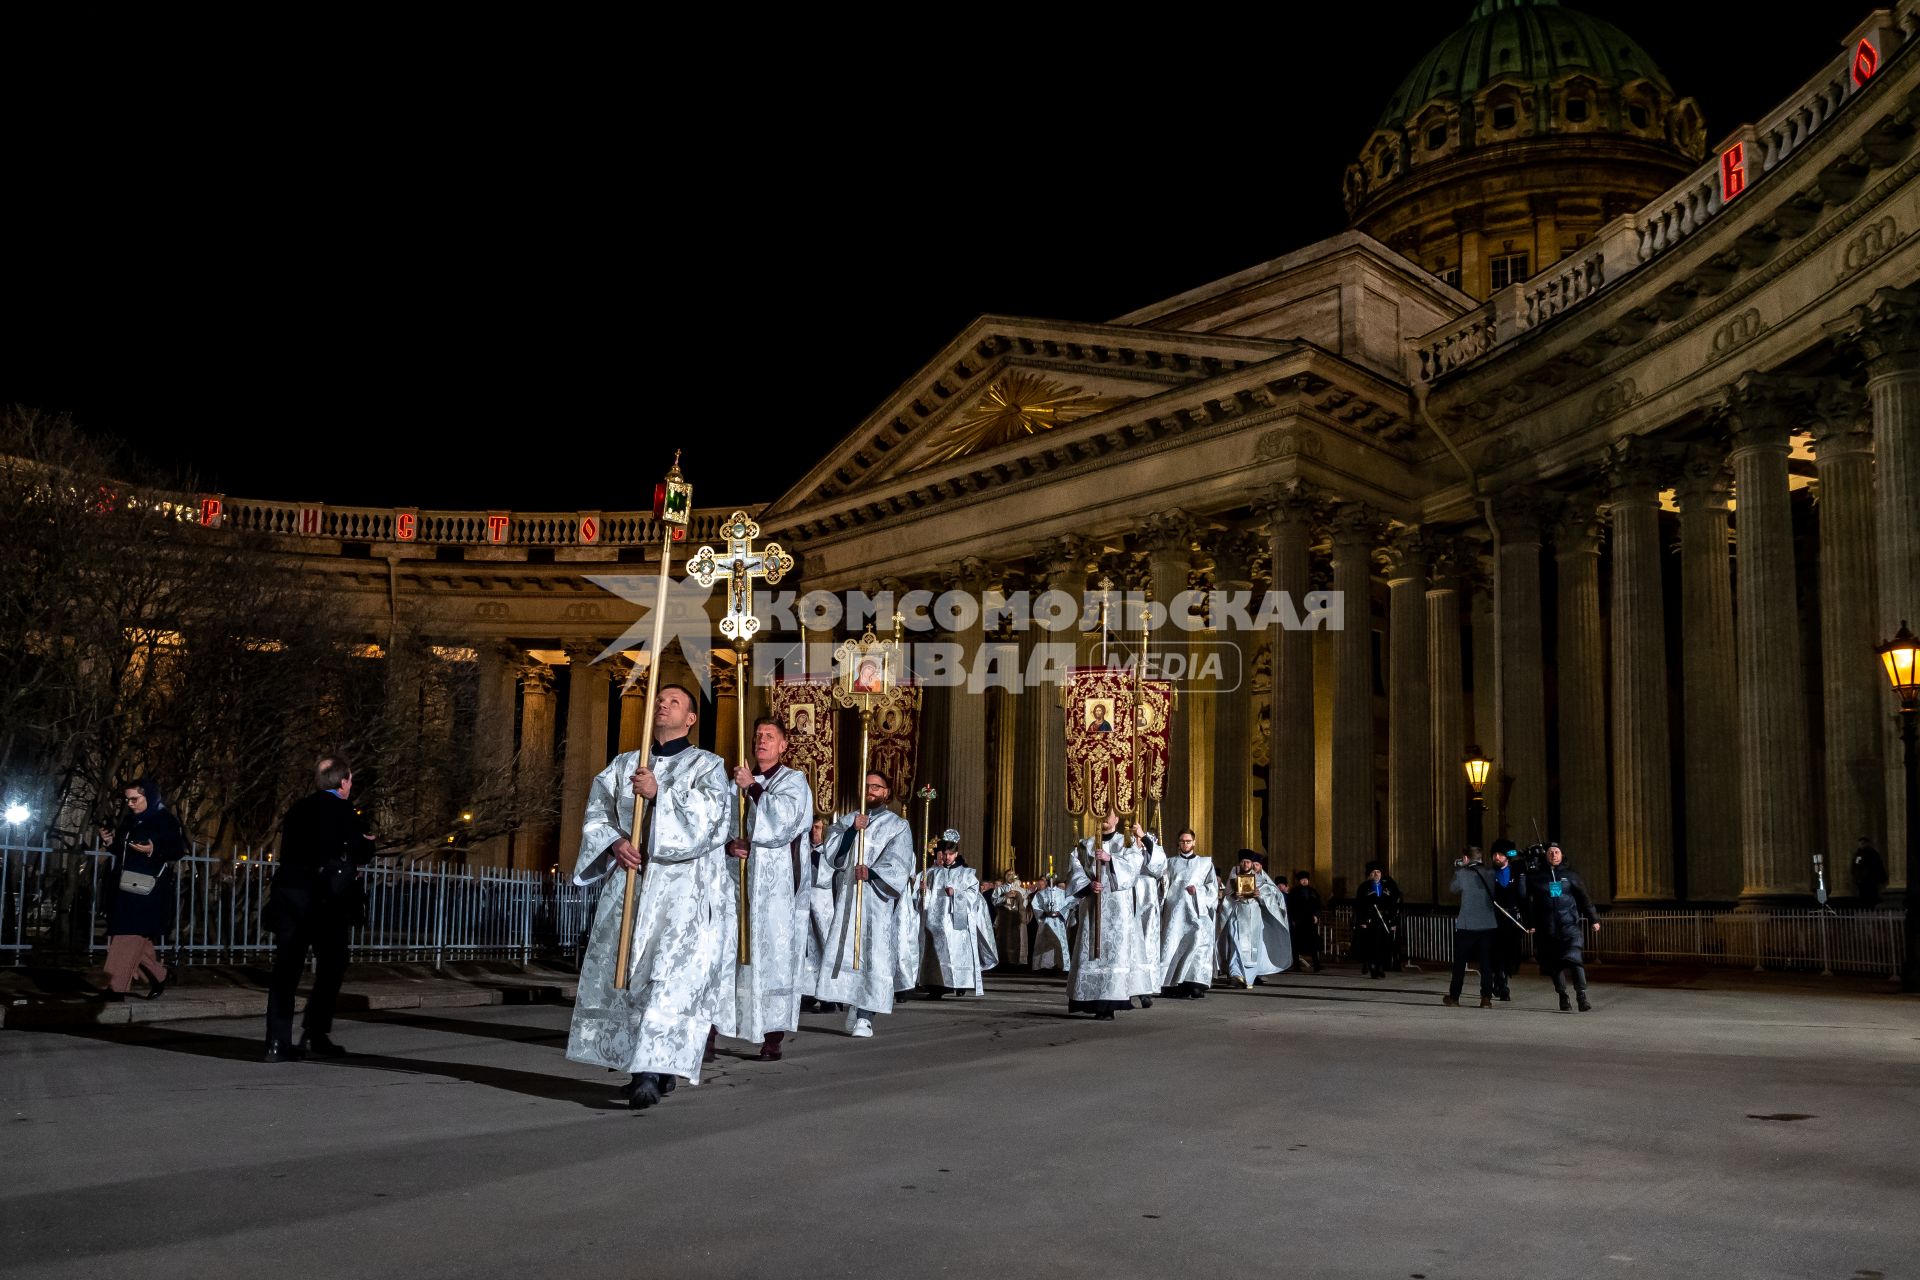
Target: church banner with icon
x,y
1103,770
890,752
805,708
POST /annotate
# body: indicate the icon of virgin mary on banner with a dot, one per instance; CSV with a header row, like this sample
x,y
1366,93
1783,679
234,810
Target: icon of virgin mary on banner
x,y
1104,772
896,731
805,708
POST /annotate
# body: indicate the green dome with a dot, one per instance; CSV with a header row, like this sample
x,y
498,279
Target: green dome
x,y
1537,41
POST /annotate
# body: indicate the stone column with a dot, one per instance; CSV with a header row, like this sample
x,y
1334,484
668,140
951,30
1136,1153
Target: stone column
x,y
586,748
493,736
1410,843
1886,331
1043,828
537,844
1230,754
1520,758
1581,664
632,678
1168,539
1446,713
1484,732
1290,512
1710,707
1776,832
1356,532
725,711
963,784
1856,695
1642,767
999,852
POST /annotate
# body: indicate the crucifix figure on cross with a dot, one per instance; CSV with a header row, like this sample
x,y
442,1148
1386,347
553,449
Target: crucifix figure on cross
x,y
739,565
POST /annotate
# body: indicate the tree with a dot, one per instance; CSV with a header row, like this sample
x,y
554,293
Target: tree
x,y
136,643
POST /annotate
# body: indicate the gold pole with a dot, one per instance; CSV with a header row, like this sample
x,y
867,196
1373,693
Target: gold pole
x,y
632,901
926,831
860,851
740,724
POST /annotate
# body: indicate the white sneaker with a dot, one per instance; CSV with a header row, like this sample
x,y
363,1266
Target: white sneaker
x,y
862,1029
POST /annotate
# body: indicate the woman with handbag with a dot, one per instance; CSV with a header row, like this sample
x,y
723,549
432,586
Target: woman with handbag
x,y
145,845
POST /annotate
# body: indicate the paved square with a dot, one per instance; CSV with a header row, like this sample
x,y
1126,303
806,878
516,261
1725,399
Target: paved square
x,y
1323,1126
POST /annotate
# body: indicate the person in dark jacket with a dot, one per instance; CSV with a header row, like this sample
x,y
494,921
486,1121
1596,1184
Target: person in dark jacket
x,y
1474,928
1376,921
145,844
1560,911
1303,920
1510,905
313,907
1869,874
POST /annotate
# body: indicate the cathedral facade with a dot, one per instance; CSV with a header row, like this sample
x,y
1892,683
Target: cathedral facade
x,y
1609,438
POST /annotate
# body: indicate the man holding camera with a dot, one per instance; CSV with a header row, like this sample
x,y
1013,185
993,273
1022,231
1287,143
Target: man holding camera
x,y
1473,929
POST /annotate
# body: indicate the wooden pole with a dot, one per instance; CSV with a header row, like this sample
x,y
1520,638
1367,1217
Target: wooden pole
x,y
632,901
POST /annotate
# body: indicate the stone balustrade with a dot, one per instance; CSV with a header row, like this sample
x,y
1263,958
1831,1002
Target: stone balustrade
x,y
1632,240
456,528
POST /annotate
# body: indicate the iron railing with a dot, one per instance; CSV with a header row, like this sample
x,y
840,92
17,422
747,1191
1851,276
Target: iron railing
x,y
55,905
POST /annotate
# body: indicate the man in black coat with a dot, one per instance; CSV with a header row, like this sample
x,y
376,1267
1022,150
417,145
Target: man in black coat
x,y
1561,910
1303,920
1510,905
314,905
1376,921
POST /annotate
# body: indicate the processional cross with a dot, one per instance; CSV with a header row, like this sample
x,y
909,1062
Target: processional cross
x,y
740,566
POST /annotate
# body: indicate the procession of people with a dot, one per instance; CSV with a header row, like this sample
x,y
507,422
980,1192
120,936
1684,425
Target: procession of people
x,y
746,908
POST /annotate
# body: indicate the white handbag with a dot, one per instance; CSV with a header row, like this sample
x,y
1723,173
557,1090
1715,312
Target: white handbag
x,y
137,882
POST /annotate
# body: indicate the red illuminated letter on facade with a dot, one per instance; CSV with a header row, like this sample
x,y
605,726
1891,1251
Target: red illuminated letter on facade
x,y
210,509
1866,61
1733,172
497,528
404,526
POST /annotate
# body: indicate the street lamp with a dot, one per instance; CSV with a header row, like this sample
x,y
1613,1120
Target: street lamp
x,y
1901,656
17,813
1478,767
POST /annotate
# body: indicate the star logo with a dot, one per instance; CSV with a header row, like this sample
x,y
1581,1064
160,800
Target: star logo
x,y
686,620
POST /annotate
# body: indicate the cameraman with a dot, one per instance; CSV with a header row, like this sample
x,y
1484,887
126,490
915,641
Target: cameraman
x,y
1473,929
1561,910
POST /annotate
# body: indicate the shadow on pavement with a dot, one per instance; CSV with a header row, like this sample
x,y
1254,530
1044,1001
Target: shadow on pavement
x,y
512,1032
532,1084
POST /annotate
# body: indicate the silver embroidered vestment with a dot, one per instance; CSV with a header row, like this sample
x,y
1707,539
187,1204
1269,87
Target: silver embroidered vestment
x,y
889,868
766,991
959,937
683,932
1112,973
1187,921
1254,933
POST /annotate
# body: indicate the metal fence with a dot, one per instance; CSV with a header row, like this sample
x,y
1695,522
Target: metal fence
x,y
1807,940
54,904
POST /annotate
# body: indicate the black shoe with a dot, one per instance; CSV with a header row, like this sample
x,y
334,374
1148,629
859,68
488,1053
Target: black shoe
x,y
1259,982
281,1051
1146,1002
643,1092
320,1045
155,987
1503,995
667,1084
1103,1015
1586,1005
1201,994
1566,1005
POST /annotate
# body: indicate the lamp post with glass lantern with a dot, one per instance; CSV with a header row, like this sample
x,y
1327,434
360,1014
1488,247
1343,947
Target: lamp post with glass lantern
x,y
1478,767
1900,656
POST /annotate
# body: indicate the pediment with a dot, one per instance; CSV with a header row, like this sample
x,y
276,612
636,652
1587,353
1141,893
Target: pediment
x,y
1004,381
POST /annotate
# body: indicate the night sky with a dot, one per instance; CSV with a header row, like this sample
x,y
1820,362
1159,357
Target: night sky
x,y
499,267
